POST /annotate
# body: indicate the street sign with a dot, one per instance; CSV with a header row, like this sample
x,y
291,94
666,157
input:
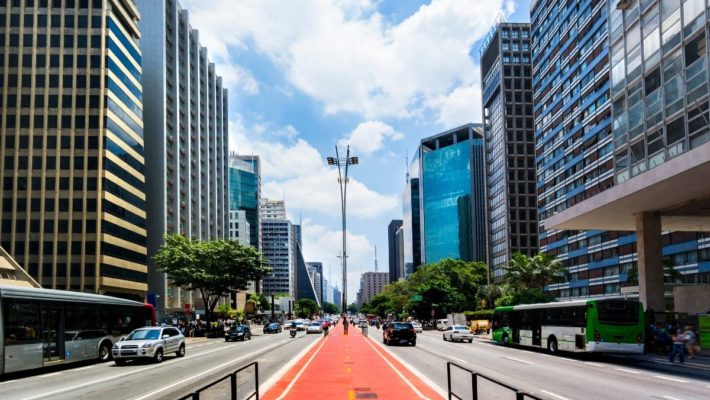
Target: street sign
x,y
417,297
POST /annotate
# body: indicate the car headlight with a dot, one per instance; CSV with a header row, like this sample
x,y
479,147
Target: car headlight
x,y
115,346
147,345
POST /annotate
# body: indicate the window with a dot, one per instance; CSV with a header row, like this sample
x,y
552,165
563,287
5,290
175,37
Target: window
x,y
21,322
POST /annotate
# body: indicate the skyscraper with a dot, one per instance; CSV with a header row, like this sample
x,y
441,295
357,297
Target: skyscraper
x,y
186,150
272,209
451,189
278,249
315,270
245,192
393,246
411,220
73,202
510,145
372,284
239,227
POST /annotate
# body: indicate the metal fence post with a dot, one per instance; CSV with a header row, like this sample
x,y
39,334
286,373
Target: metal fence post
x,y
448,377
474,386
519,395
233,383
256,379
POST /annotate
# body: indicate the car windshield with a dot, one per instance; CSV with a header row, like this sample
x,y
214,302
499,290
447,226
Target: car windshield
x,y
401,327
238,329
315,323
144,334
460,328
273,325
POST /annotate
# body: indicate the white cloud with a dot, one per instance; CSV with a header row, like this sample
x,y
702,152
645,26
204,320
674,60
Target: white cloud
x,y
347,56
323,244
459,107
299,172
369,136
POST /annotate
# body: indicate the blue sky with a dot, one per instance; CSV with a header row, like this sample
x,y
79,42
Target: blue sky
x,y
305,76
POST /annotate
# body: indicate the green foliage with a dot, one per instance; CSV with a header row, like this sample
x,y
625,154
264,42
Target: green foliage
x,y
330,308
222,310
305,308
262,302
480,314
534,272
513,296
213,268
353,308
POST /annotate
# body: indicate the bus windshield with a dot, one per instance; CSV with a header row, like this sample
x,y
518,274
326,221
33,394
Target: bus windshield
x,y
618,312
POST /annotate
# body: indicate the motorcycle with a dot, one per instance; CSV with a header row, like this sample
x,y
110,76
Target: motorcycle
x,y
293,333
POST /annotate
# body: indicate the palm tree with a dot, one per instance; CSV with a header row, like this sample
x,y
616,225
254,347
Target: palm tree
x,y
533,272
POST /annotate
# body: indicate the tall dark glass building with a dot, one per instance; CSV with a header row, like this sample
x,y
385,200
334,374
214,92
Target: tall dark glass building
x,y
245,192
411,221
71,112
510,145
451,196
393,247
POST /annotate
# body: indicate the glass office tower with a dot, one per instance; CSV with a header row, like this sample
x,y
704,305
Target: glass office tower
x,y
510,145
245,192
73,186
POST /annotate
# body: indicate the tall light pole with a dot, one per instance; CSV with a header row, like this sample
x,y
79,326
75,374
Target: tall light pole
x,y
342,164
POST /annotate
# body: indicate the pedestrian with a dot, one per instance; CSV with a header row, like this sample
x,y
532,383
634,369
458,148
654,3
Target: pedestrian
x,y
691,341
678,347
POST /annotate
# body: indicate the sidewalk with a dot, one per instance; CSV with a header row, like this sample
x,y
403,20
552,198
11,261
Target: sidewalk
x,y
348,367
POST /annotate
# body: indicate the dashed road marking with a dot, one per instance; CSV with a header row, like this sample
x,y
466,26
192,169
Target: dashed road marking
x,y
83,368
670,379
518,360
670,398
554,395
594,364
15,380
627,370
52,374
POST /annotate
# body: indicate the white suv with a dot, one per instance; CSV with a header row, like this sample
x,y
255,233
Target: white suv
x,y
150,342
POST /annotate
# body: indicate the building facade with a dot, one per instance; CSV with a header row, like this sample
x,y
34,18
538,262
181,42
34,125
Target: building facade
x,y
186,150
506,68
272,209
393,246
245,192
73,184
411,220
315,271
452,195
239,227
372,284
278,244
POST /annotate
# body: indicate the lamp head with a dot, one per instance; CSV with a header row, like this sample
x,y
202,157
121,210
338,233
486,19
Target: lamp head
x,y
331,161
353,160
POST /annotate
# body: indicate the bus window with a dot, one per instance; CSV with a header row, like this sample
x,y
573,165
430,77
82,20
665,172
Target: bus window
x,y
618,312
21,322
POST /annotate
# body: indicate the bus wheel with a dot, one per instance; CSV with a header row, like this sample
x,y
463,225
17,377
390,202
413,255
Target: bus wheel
x,y
105,351
552,344
506,340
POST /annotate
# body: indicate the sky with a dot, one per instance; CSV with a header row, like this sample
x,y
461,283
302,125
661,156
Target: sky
x,y
305,76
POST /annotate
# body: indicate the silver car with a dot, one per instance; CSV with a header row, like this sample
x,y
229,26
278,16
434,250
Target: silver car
x,y
149,343
458,332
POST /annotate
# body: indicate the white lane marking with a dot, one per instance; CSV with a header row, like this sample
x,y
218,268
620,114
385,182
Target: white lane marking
x,y
236,360
132,372
15,380
670,398
300,372
413,370
518,360
554,395
594,364
670,379
627,371
52,374
401,376
284,369
83,368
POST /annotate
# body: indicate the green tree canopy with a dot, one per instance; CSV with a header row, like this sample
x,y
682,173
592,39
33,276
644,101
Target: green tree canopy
x,y
305,308
330,308
534,272
213,268
353,308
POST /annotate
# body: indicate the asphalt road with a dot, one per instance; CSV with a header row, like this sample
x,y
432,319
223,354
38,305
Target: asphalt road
x,y
205,361
558,377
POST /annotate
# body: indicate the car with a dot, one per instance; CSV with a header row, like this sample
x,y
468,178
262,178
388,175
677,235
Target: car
x,y
273,327
442,324
300,326
315,327
417,327
363,323
151,343
458,333
239,332
399,332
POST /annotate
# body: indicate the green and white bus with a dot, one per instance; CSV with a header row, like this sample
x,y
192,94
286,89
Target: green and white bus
x,y
603,325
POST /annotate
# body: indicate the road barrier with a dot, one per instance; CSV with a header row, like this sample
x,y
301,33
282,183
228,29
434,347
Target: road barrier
x,y
232,383
519,394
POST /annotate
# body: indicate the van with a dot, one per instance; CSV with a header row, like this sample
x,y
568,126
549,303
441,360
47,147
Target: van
x,y
441,324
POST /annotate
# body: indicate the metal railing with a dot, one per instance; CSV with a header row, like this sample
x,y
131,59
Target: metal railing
x,y
233,384
519,394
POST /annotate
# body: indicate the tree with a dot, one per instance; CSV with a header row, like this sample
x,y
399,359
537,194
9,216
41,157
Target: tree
x,y
353,308
263,302
213,268
330,308
533,272
306,307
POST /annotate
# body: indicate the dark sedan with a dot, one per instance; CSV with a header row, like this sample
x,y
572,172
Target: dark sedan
x,y
399,332
239,332
273,327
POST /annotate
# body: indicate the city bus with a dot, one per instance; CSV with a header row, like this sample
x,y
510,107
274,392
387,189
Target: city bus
x,y
43,327
603,325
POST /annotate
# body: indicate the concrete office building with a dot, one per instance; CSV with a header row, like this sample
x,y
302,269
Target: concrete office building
x,y
315,271
372,284
337,297
272,209
278,249
245,192
510,145
186,148
399,239
393,247
71,112
659,150
446,187
239,227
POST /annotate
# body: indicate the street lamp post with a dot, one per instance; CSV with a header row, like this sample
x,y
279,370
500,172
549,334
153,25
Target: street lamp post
x,y
343,182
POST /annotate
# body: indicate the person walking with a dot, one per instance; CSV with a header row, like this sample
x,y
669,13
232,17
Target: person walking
x,y
678,347
691,341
